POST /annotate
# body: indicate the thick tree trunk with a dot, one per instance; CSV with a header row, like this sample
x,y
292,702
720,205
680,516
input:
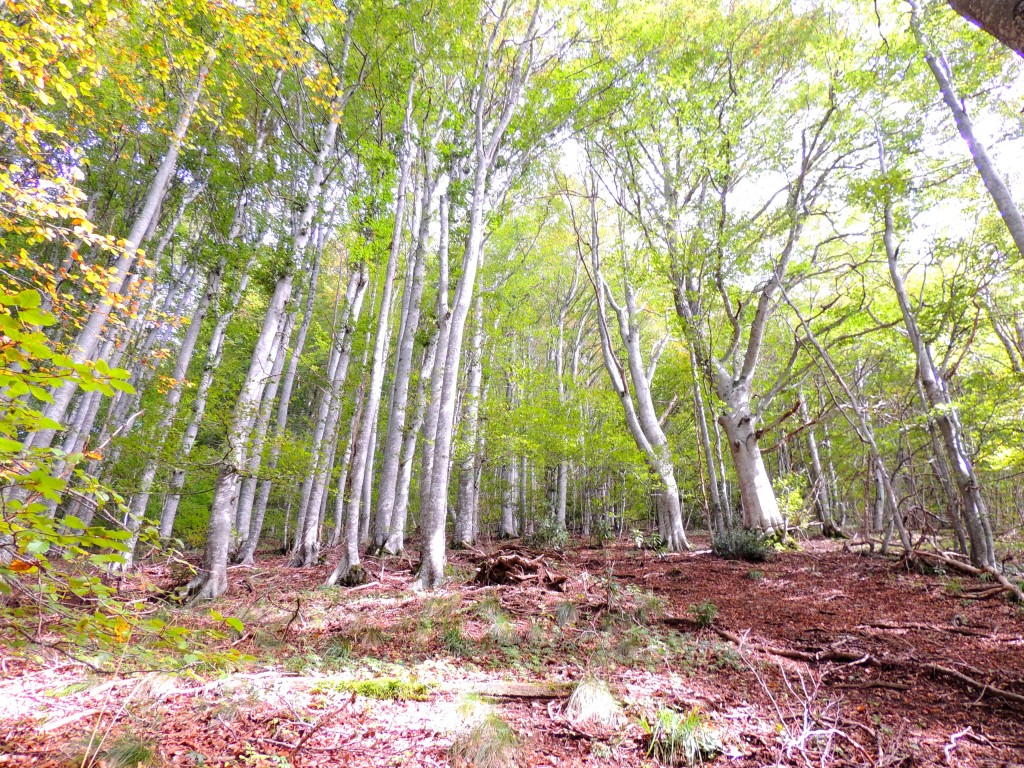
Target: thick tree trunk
x,y
341,498
641,418
1003,19
760,507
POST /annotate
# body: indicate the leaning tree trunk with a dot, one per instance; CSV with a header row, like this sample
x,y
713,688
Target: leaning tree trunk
x,y
349,570
641,418
942,73
139,502
89,336
942,410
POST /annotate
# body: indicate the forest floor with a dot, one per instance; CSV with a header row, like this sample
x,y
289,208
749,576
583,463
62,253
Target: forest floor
x,y
820,657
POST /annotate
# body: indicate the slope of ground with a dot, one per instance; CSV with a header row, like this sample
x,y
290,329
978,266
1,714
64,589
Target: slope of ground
x,y
821,657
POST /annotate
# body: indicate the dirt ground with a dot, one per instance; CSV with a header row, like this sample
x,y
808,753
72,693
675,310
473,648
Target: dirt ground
x,y
821,657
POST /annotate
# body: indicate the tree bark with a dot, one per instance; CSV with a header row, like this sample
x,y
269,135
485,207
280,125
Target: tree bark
x,y
1003,19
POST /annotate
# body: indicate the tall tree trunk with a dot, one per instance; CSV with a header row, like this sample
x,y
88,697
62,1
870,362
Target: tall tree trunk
x,y
395,544
403,367
701,417
466,520
362,459
325,437
942,410
139,502
444,386
214,355
90,334
211,582
819,483
994,183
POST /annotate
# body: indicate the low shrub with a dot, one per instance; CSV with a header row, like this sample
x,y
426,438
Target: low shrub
x,y
749,546
704,613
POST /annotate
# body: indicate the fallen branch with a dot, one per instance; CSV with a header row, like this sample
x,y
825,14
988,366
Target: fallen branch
x,y
984,688
857,658
1005,584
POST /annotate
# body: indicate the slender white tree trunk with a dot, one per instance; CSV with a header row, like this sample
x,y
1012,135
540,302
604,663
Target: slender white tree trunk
x,y
211,582
362,460
90,334
403,368
466,520
139,502
307,548
942,410
994,183
395,544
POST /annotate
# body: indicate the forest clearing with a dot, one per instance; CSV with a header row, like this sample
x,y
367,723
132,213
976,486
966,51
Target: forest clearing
x,y
847,668
511,383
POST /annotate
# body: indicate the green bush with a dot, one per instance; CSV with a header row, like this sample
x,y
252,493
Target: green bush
x,y
704,613
549,535
749,546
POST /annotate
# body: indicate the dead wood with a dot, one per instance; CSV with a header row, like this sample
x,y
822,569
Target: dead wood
x,y
986,689
515,690
867,659
926,628
1006,585
513,567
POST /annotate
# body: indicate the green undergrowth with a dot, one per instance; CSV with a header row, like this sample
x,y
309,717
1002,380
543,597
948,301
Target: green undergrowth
x,y
749,546
678,738
384,688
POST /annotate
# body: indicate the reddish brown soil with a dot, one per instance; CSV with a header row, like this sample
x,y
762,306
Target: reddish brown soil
x,y
884,707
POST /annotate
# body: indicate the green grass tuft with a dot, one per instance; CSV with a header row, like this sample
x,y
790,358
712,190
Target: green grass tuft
x,y
491,743
675,738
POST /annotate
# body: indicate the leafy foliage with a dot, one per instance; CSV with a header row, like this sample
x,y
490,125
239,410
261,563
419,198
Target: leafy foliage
x,y
740,544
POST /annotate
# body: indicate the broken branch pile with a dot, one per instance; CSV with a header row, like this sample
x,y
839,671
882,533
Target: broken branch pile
x,y
514,567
